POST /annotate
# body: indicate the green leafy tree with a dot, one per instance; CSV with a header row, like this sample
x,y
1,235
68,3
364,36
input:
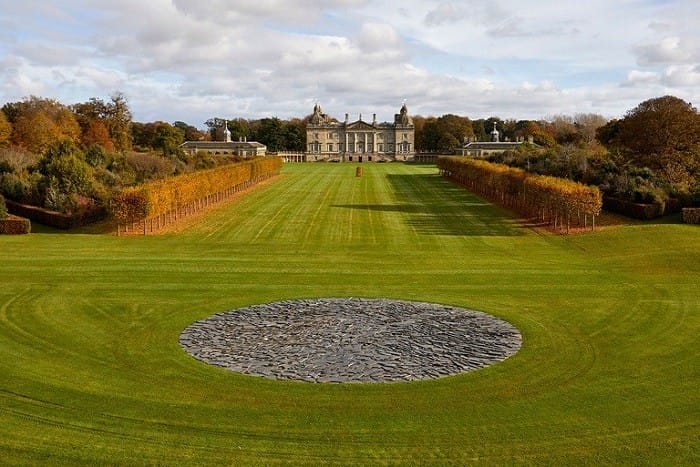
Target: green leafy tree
x,y
479,130
239,128
118,116
217,125
190,132
445,133
429,135
294,135
270,132
66,175
419,126
168,139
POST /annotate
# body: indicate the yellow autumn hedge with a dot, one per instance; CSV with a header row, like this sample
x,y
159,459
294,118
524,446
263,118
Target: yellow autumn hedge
x,y
162,196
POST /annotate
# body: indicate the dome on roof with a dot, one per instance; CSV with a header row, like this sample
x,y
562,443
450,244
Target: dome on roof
x,y
318,116
494,133
402,117
227,132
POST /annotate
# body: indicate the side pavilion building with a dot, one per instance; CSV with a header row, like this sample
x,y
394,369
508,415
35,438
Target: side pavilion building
x,y
483,149
360,141
242,147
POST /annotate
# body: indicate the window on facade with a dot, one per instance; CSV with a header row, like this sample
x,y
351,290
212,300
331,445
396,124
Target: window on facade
x,y
330,147
341,147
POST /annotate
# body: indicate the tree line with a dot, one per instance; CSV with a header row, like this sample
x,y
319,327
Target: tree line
x,y
71,158
61,156
651,155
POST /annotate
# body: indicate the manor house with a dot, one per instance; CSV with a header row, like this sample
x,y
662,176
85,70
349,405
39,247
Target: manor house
x,y
360,141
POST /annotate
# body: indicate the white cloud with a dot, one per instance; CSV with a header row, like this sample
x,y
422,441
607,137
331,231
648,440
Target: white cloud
x,y
445,13
636,77
682,76
183,60
669,50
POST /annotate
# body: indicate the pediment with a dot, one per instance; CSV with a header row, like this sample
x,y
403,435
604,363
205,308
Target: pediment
x,y
360,125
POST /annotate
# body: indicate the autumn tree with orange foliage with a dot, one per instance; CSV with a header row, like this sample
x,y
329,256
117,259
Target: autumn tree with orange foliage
x,y
38,123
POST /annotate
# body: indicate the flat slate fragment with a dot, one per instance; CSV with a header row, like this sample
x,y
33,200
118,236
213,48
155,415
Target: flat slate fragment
x,y
351,340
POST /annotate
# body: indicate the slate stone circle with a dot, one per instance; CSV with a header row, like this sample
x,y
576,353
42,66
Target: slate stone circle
x,y
351,340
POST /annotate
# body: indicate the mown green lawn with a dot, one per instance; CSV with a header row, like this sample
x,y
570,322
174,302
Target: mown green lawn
x,y
91,371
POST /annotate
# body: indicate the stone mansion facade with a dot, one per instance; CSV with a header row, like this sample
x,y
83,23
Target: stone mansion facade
x,y
360,141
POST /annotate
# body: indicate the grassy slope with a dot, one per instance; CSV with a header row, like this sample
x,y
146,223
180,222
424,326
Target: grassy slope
x,y
90,368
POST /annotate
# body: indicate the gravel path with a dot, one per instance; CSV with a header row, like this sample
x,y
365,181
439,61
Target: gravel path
x,y
343,340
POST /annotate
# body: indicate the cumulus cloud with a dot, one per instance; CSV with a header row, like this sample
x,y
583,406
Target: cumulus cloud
x,y
669,50
379,36
236,12
682,76
637,77
183,60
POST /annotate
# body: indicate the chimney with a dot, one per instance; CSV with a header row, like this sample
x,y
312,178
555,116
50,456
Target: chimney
x,y
374,119
347,118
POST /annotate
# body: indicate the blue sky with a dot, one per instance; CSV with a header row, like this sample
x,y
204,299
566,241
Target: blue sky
x,y
190,61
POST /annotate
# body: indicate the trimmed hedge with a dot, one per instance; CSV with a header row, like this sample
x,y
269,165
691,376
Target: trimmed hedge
x,y
3,208
634,210
53,218
14,225
691,215
556,201
164,201
642,211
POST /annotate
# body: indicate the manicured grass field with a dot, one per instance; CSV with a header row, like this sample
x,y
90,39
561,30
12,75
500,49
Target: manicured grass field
x,y
91,371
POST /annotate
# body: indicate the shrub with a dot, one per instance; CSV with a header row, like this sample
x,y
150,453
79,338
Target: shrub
x,y
147,166
691,215
14,225
15,159
12,186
